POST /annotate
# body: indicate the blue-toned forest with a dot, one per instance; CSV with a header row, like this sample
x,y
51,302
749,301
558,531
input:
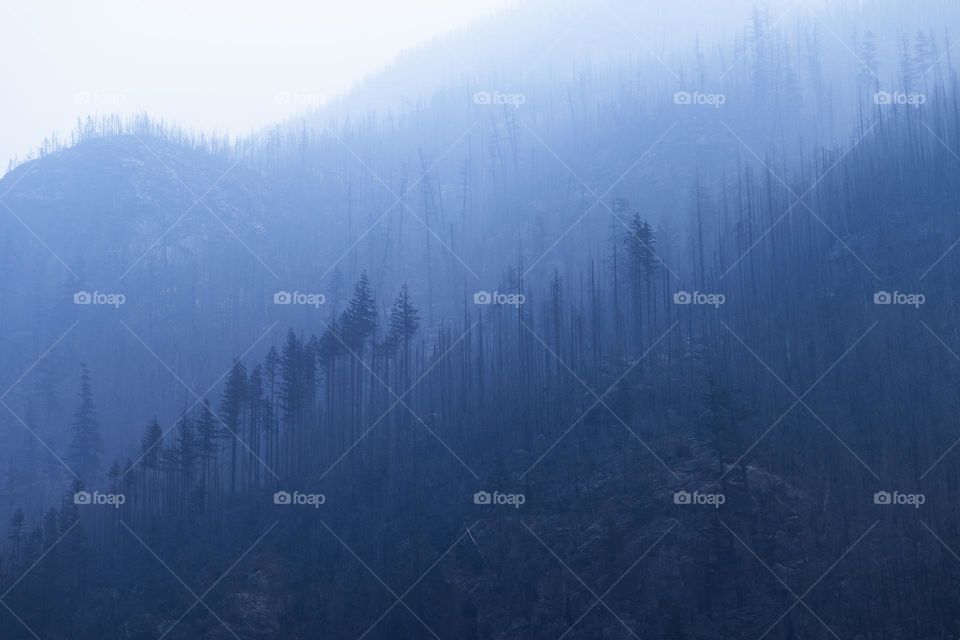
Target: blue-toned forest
x,y
630,336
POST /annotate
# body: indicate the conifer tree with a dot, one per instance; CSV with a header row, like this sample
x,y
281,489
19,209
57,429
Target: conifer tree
x,y
359,321
150,445
151,448
186,450
232,404
86,446
207,434
17,524
404,319
641,241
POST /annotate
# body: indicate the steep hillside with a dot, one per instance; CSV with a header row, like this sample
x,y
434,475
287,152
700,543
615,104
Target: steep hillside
x,y
624,353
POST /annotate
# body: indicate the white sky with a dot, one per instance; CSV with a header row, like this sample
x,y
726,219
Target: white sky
x,y
225,65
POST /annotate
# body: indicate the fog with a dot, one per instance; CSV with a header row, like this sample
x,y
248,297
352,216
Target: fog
x,y
217,65
556,319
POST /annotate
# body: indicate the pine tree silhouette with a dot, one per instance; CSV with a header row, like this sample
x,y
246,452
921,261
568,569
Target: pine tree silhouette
x,y
86,445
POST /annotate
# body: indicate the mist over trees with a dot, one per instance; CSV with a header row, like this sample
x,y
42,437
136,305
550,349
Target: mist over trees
x,y
662,344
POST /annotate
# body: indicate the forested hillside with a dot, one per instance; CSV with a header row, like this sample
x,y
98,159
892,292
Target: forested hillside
x,y
666,349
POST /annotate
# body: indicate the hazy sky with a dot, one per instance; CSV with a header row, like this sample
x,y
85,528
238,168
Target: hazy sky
x,y
210,64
